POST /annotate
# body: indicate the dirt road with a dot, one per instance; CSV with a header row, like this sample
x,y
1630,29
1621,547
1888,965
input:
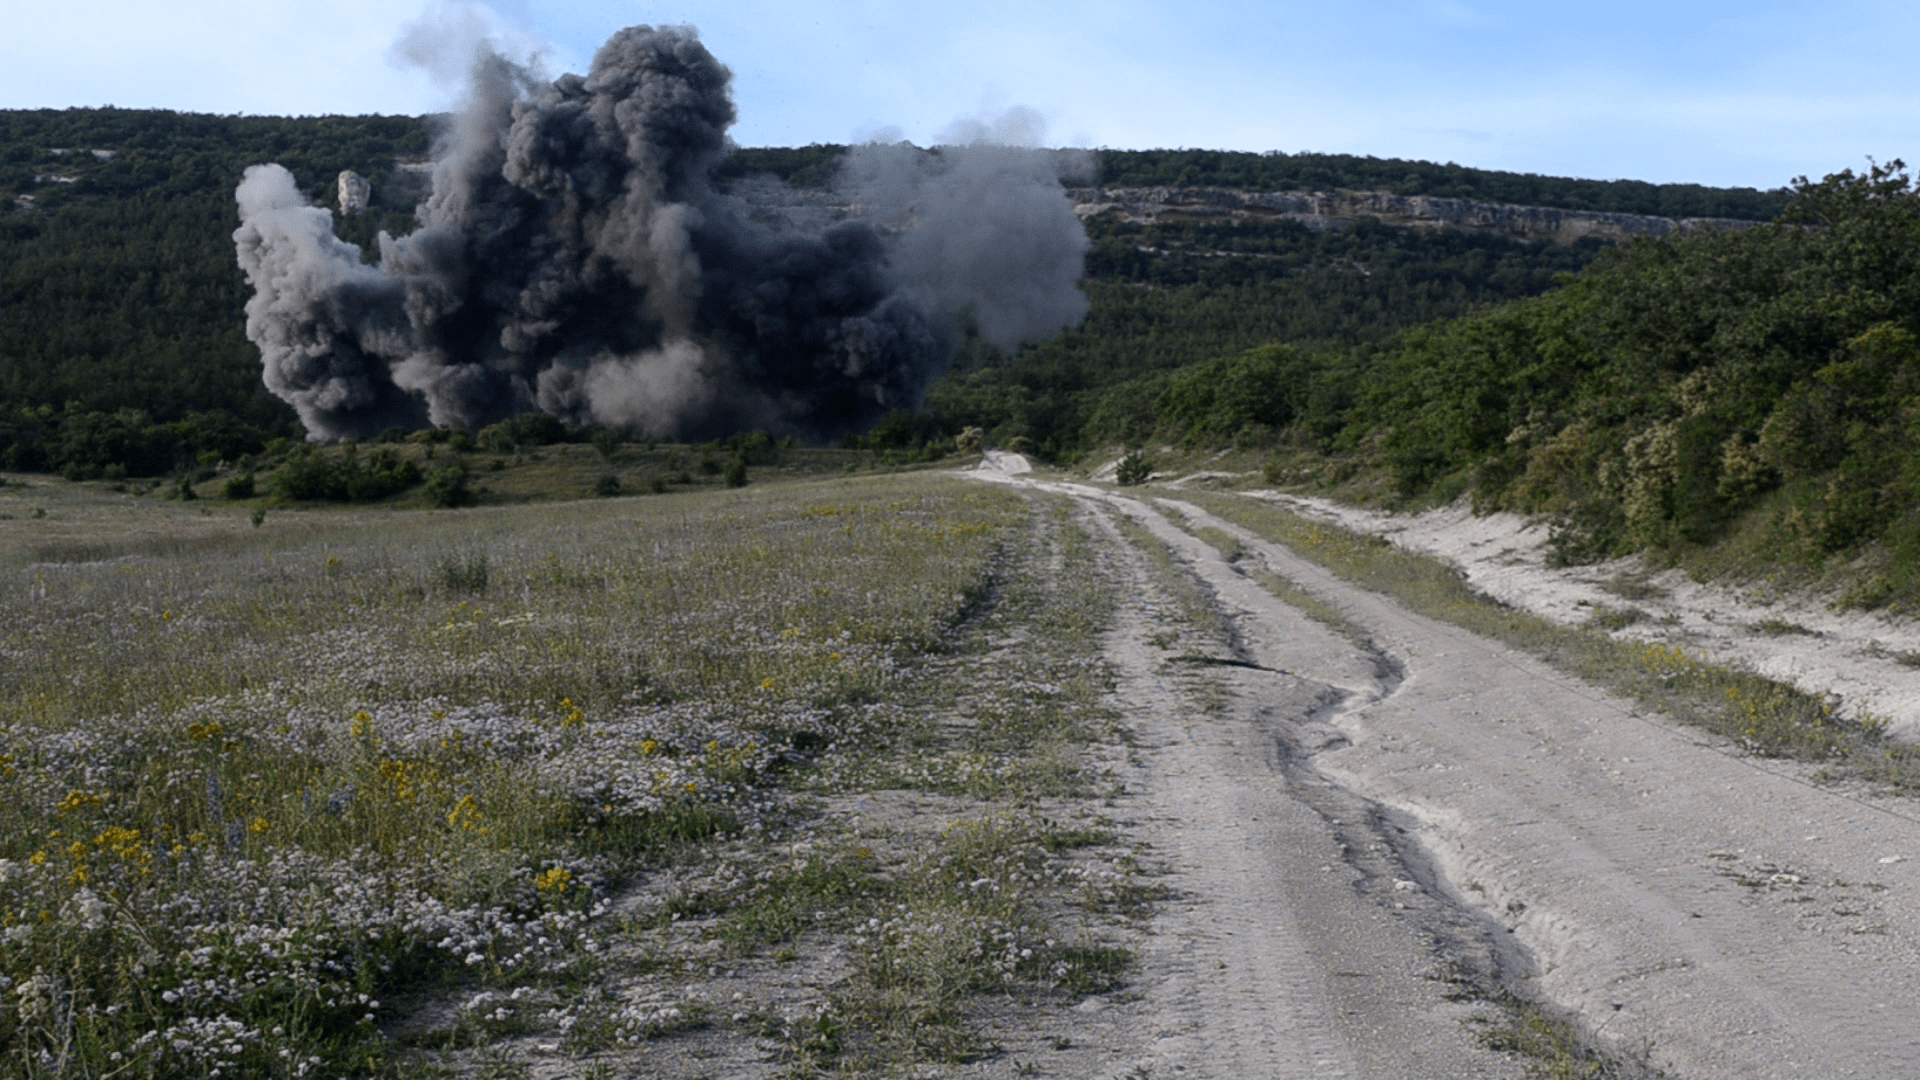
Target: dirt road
x,y
1724,915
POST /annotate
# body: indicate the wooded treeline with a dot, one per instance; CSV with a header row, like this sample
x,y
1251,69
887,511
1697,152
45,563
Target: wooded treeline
x,y
1753,394
1659,393
121,325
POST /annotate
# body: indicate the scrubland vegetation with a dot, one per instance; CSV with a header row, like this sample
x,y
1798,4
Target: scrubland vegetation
x,y
377,793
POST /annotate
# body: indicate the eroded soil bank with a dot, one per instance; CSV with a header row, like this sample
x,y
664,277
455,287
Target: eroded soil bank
x,y
1867,662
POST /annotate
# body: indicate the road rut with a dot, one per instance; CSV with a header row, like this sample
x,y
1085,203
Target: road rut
x,y
1289,947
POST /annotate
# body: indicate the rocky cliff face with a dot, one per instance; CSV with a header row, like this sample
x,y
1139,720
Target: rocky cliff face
x,y
1325,210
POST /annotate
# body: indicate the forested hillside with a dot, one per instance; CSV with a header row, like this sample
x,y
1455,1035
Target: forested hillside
x,y
1177,293
121,325
1761,386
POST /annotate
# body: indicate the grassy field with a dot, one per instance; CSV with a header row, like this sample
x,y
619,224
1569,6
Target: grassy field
x,y
388,792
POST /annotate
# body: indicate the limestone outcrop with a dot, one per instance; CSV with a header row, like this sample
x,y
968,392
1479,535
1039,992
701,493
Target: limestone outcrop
x,y
1325,210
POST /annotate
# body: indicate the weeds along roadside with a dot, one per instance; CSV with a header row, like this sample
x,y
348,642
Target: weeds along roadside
x,y
262,790
998,889
1765,717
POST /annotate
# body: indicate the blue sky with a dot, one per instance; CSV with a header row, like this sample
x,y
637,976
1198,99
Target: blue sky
x,y
1750,93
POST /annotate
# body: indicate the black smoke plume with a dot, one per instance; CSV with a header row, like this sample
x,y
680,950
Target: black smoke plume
x,y
575,258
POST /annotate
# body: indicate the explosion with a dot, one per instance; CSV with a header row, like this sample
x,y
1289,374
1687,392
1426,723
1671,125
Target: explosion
x,y
576,258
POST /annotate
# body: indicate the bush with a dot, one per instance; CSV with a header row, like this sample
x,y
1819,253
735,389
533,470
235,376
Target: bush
x,y
1240,399
447,486
468,575
1134,469
496,438
736,475
239,487
607,486
311,476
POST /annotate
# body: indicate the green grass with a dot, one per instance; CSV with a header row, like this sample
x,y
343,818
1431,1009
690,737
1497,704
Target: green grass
x,y
1608,618
278,775
366,782
1553,1048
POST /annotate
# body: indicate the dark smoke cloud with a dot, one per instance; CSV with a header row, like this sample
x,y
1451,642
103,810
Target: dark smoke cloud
x,y
575,258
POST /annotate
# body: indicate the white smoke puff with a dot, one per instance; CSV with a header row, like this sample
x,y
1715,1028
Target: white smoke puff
x,y
316,354
645,391
984,229
1017,126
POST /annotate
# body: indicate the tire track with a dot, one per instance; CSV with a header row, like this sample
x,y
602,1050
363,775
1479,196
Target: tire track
x,y
1742,922
1289,948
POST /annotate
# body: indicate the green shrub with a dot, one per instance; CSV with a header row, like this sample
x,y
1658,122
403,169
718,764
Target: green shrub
x,y
1241,399
468,575
447,486
311,476
1134,469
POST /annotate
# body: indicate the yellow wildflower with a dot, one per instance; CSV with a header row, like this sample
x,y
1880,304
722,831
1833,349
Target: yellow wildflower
x,y
465,814
361,726
556,880
122,842
259,826
78,799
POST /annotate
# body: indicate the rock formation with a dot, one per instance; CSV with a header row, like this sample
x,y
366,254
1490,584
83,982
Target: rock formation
x,y
1324,210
